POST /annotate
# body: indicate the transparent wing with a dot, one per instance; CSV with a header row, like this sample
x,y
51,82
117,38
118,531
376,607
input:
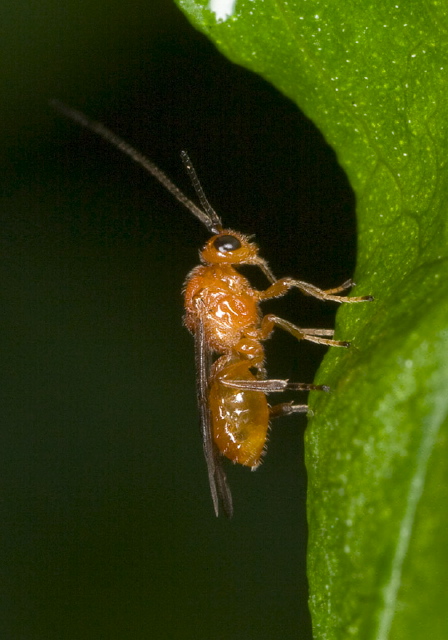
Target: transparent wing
x,y
216,476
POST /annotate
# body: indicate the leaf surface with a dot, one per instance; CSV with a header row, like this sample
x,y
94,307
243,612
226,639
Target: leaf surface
x,y
373,77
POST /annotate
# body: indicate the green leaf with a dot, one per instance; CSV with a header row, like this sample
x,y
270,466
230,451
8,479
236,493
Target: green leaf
x,y
373,77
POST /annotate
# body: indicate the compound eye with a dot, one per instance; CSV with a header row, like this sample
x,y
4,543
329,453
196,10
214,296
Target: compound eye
x,y
227,243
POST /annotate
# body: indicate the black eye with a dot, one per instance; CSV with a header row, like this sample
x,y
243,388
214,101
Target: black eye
x,y
227,243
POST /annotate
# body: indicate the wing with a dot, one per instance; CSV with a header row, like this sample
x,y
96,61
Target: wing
x,y
216,476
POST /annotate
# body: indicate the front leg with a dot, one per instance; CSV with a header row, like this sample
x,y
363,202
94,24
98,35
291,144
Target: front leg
x,y
283,285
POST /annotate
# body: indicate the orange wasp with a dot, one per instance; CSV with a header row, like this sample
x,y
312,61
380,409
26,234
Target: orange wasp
x,y
222,311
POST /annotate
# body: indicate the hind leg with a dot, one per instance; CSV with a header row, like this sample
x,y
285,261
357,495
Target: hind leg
x,y
286,409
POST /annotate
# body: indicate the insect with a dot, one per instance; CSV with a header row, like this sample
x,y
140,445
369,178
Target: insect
x,y
222,311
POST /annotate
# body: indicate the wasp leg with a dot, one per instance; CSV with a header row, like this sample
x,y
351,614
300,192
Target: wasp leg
x,y
272,386
280,287
318,332
269,321
343,287
286,409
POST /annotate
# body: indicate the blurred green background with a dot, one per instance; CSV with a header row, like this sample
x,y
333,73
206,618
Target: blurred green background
x,y
107,523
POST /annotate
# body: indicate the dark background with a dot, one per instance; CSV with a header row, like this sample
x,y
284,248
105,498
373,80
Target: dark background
x,y
107,526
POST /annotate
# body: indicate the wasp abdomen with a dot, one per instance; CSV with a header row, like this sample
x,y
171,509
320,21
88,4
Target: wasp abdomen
x,y
240,418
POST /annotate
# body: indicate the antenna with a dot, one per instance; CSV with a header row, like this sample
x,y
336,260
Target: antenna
x,y
208,216
211,213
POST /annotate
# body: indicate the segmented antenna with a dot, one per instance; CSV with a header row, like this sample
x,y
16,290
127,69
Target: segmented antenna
x,y
208,216
213,216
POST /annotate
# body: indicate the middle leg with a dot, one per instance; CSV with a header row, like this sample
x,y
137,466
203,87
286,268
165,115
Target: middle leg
x,y
269,321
